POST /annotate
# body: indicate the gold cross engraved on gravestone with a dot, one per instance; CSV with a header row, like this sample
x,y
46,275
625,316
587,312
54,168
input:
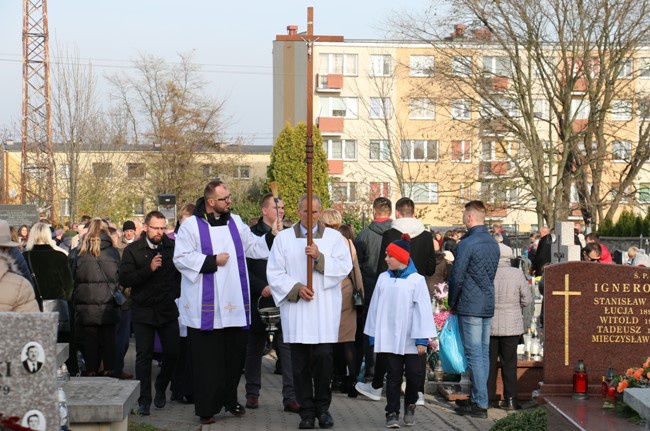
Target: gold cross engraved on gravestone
x,y
230,307
566,292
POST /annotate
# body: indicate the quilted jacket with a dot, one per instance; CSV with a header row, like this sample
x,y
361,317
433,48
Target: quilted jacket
x,y
512,296
471,286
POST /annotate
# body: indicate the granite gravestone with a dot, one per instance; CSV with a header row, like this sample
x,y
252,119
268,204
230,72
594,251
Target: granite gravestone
x,y
28,369
17,215
596,312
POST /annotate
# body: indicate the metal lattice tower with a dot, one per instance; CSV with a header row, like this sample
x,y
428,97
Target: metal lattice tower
x,y
37,170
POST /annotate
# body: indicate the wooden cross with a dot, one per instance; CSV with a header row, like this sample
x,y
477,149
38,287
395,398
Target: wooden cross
x,y
566,293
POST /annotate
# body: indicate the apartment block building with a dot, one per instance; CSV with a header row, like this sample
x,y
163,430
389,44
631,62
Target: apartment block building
x,y
393,125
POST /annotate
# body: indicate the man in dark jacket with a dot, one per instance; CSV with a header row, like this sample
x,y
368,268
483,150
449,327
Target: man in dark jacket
x,y
259,287
543,253
147,268
471,297
368,246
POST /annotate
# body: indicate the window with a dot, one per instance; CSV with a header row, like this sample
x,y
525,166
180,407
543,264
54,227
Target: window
x,y
102,170
380,108
243,173
494,151
621,110
422,192
461,109
419,150
421,65
461,66
340,149
380,65
379,149
579,109
644,109
644,67
343,192
135,170
422,109
210,171
461,151
64,171
644,193
339,64
497,192
497,66
499,108
65,208
346,107
621,151
540,109
378,189
462,192
138,207
626,69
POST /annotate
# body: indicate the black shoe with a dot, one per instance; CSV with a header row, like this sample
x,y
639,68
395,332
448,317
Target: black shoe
x,y
306,424
510,404
325,420
237,410
460,403
159,400
143,410
472,410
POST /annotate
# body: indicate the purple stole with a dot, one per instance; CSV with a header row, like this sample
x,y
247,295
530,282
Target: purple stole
x,y
207,303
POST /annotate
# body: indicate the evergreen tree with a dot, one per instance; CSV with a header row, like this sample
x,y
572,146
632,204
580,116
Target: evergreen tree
x,y
289,169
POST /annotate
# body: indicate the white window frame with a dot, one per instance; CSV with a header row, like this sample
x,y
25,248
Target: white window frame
x,y
497,65
618,148
64,171
383,150
350,191
490,110
621,110
461,66
644,193
461,109
139,207
381,186
421,66
410,145
423,193
626,69
346,144
579,109
466,153
64,207
349,64
422,109
540,109
243,172
380,108
334,106
380,65
644,67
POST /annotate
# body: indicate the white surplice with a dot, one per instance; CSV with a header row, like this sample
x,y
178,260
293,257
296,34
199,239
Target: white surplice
x,y
316,321
229,310
400,312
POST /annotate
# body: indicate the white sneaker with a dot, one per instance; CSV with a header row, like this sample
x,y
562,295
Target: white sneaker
x,y
367,390
420,401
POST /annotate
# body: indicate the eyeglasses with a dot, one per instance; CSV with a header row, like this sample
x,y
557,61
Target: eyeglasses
x,y
227,198
593,259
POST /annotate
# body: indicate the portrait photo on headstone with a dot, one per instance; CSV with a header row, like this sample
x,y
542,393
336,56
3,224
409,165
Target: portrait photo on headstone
x,y
32,357
34,420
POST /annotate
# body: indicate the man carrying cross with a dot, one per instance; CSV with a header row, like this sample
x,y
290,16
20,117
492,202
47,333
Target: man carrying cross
x,y
210,254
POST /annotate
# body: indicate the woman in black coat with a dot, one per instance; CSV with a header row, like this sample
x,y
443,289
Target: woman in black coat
x,y
95,272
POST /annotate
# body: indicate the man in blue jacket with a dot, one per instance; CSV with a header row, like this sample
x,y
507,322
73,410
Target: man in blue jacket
x,y
471,297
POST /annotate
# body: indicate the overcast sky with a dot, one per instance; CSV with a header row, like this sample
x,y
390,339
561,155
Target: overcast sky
x,y
232,39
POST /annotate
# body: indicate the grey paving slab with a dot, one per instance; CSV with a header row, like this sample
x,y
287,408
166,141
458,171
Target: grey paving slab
x,y
358,414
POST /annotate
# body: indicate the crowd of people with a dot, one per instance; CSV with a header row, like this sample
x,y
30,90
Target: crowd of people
x,y
191,293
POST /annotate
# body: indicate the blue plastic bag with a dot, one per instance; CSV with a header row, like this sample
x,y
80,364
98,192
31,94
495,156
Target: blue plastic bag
x,y
452,353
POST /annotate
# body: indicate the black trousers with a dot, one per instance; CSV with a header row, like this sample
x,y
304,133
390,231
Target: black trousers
x,y
380,371
397,366
144,340
217,361
312,375
506,349
182,385
99,346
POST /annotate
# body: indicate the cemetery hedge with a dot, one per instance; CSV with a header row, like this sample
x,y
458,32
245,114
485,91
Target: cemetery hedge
x,y
530,420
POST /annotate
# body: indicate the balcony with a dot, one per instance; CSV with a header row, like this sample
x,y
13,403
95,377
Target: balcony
x,y
495,126
335,167
331,83
579,126
500,83
331,126
493,168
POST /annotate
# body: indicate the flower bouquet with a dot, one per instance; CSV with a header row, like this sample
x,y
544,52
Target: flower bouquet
x,y
634,377
440,314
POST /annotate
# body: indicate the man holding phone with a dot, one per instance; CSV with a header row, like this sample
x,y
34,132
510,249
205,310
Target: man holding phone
x,y
147,268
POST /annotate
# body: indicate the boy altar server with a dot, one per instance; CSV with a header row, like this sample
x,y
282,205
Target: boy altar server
x,y
400,320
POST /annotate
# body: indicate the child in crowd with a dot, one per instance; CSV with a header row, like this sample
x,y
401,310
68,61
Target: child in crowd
x,y
400,321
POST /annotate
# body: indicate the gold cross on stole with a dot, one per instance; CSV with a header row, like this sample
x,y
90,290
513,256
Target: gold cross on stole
x,y
566,293
230,307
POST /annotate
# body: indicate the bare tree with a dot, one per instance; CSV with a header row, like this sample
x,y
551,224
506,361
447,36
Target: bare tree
x,y
548,80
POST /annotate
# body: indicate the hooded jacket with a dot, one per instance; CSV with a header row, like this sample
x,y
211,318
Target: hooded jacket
x,y
471,285
16,293
422,252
